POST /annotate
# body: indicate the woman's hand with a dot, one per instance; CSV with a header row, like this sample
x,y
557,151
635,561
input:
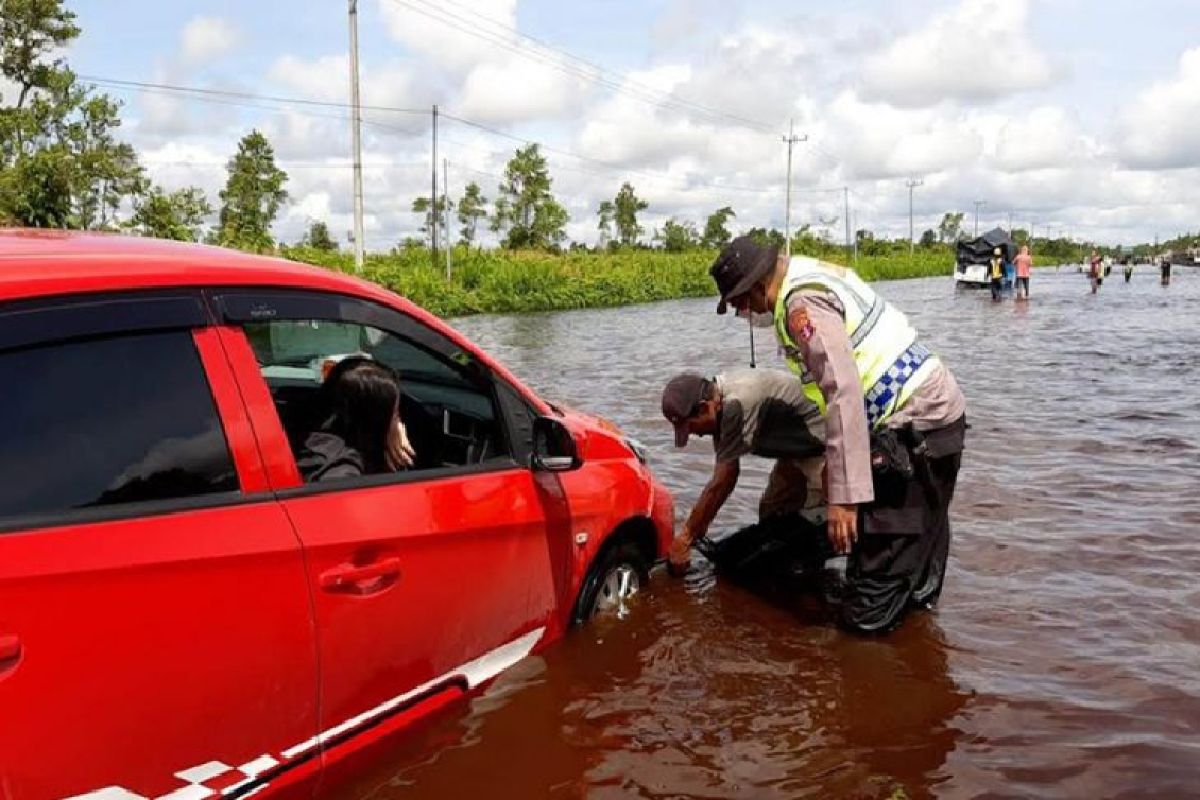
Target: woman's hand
x,y
400,453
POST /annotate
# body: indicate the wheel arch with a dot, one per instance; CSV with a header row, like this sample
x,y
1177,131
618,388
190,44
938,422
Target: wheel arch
x,y
638,531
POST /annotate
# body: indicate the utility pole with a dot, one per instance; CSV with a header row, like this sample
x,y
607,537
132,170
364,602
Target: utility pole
x,y
446,207
978,204
846,199
911,183
433,195
790,140
356,136
855,256
1010,222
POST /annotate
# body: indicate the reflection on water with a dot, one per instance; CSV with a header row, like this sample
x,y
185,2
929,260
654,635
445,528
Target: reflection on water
x,y
1064,660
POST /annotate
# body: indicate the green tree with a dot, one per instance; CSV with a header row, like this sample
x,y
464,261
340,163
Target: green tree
x,y
176,215
60,162
501,213
318,237
471,209
627,205
678,237
929,238
440,207
950,228
530,214
716,230
606,213
252,195
770,238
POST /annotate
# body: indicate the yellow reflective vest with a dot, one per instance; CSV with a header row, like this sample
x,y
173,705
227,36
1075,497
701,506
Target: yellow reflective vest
x,y
891,363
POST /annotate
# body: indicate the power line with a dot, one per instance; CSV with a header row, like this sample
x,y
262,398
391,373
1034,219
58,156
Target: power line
x,y
163,90
300,101
603,164
284,162
589,71
245,100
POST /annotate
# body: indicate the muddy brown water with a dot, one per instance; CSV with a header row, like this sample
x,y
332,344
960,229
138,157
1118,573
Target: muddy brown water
x,y
1063,660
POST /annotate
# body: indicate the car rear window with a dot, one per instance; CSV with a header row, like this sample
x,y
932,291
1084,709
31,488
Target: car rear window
x,y
108,421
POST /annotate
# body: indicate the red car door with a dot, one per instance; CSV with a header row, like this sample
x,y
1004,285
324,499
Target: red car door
x,y
156,634
426,581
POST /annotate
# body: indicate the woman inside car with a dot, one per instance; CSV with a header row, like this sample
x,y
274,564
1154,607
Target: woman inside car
x,y
363,434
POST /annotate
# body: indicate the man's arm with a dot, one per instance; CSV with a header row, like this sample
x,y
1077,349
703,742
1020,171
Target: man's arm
x,y
820,334
712,497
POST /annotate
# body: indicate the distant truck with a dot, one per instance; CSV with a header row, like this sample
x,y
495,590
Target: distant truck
x,y
972,257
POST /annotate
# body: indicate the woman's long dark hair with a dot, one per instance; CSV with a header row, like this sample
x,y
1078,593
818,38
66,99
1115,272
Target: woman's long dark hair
x,y
364,397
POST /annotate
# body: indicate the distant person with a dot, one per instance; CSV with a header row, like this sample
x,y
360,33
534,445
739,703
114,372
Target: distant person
x,y
1096,271
760,412
1128,269
1024,267
1164,267
363,434
996,273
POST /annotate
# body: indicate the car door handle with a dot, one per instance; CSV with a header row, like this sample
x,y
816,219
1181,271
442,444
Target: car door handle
x,y
361,579
10,652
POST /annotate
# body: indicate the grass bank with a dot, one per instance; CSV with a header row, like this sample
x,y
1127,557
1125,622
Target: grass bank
x,y
505,282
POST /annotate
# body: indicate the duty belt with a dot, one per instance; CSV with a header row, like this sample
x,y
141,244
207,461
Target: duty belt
x,y
888,387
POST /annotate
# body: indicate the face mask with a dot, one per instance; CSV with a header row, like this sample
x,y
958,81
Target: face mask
x,y
759,320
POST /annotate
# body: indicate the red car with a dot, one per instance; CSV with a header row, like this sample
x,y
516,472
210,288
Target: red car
x,y
182,614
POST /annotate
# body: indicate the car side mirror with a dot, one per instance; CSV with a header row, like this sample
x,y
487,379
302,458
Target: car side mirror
x,y
554,448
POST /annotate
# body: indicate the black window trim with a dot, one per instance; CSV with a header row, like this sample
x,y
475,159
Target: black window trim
x,y
242,304
265,304
401,478
55,319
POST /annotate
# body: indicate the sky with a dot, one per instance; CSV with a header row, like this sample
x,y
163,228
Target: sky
x,y
1075,117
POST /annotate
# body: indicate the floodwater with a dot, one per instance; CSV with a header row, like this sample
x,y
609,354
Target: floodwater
x,y
1063,660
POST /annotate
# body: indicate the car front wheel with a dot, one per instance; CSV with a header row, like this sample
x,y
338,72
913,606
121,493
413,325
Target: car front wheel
x,y
615,578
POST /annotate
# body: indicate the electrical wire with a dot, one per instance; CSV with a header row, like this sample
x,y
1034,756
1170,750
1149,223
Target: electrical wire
x,y
590,72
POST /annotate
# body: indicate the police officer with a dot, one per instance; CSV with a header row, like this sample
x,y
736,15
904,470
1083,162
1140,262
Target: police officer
x,y
894,423
762,412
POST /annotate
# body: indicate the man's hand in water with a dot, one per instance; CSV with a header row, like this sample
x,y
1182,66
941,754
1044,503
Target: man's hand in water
x,y
680,553
842,523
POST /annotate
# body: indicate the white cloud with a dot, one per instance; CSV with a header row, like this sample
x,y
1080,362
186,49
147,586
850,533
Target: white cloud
x,y
1042,138
876,140
516,89
206,39
1161,128
978,51
457,36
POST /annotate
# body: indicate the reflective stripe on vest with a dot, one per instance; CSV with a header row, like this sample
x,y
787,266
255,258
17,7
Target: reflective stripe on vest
x,y
891,365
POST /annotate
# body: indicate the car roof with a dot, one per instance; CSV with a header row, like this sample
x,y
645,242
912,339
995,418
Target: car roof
x,y
42,263
34,263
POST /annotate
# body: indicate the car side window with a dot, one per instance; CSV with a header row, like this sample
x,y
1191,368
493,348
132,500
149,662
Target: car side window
x,y
108,421
448,413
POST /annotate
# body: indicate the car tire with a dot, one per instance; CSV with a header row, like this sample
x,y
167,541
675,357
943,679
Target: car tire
x,y
617,575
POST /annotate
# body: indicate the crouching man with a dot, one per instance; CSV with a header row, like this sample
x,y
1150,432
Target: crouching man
x,y
747,411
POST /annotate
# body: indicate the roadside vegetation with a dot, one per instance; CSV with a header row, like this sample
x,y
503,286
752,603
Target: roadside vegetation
x,y
501,281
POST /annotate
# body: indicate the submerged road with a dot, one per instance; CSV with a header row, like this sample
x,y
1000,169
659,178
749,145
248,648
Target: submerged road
x,y
1063,661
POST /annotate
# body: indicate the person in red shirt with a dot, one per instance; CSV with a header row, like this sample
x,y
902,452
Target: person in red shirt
x,y
1024,264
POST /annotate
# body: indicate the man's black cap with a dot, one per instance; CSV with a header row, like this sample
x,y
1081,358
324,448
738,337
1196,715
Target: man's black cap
x,y
743,263
680,402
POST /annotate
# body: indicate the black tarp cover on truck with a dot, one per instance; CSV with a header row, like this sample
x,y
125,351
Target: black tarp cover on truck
x,y
979,251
